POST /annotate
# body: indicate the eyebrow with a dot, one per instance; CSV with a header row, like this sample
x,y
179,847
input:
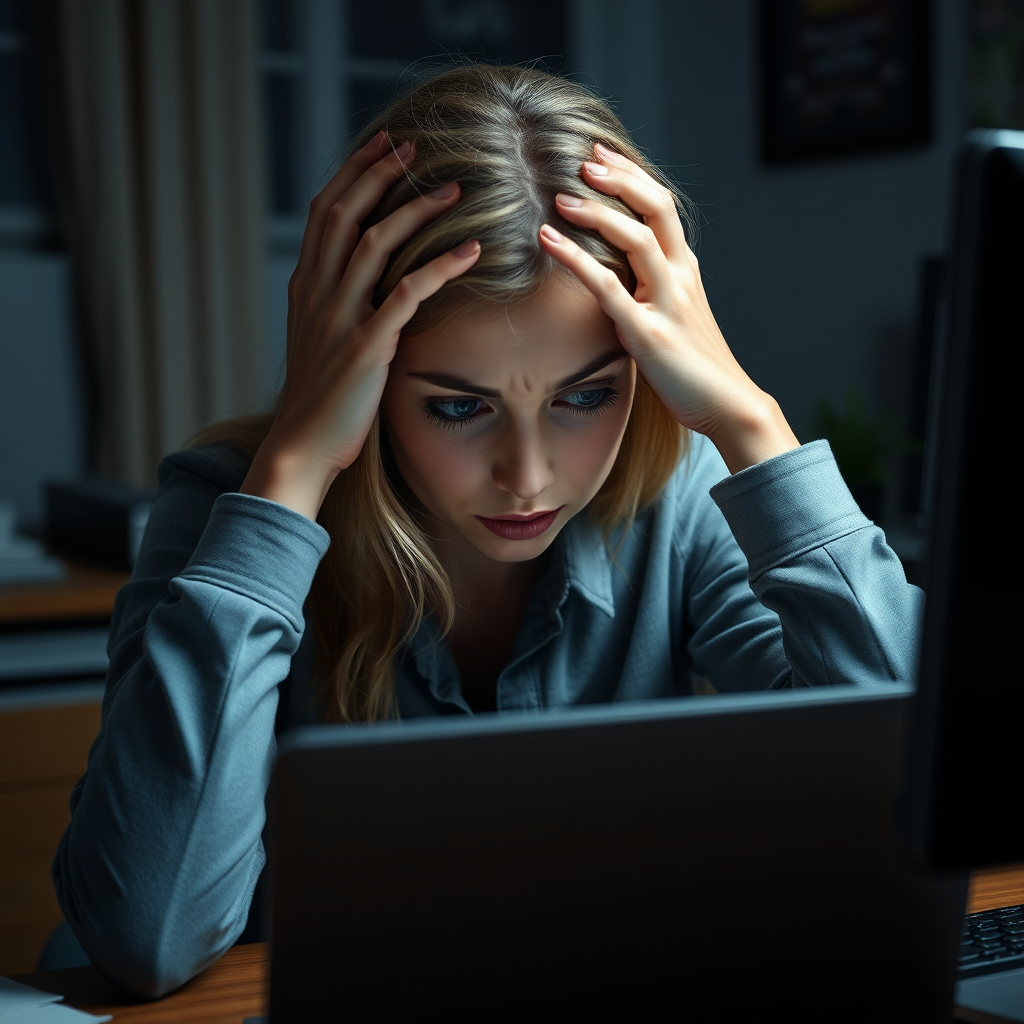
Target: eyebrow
x,y
452,383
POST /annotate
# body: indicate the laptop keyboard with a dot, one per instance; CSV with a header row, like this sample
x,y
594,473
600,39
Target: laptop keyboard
x,y
993,940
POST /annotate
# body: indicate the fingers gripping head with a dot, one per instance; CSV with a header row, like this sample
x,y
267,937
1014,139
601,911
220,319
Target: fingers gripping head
x,y
513,138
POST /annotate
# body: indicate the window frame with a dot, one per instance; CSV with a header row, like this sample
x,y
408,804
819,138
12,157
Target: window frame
x,y
23,226
322,69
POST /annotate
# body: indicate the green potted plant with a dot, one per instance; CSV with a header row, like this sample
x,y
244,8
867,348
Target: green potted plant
x,y
862,445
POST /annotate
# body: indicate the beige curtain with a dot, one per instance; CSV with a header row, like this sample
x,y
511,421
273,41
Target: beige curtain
x,y
155,121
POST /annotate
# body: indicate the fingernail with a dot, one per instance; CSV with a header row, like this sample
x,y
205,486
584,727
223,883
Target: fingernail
x,y
598,170
466,249
564,200
605,151
445,191
403,150
551,234
377,139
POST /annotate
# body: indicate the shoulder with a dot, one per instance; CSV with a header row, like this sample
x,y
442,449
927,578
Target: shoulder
x,y
216,465
190,482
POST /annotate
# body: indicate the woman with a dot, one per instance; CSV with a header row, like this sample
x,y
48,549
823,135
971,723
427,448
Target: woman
x,y
473,491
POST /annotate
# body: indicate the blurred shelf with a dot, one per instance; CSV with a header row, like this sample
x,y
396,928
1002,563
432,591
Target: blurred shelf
x,y
87,592
49,632
54,653
51,693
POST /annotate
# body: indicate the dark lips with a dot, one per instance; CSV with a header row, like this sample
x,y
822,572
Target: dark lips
x,y
520,529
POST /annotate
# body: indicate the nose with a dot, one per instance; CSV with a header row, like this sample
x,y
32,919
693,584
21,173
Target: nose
x,y
523,466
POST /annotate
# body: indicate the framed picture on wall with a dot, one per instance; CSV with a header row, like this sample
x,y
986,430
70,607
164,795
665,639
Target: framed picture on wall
x,y
841,77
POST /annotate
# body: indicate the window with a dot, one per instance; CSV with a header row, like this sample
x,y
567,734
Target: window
x,y
25,193
327,65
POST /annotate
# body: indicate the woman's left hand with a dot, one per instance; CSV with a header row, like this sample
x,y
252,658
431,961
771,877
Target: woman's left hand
x,y
667,326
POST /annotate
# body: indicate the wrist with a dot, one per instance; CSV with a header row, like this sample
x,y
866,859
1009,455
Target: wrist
x,y
292,479
754,431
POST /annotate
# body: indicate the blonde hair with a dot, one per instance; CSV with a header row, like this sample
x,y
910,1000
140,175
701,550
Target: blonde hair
x,y
512,137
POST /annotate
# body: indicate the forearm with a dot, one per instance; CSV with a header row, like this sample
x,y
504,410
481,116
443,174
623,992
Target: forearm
x,y
821,598
847,613
156,871
157,868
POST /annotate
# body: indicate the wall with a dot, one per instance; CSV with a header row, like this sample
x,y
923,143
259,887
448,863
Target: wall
x,y
41,415
811,270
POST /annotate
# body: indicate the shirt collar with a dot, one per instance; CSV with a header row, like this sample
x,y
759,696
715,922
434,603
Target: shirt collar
x,y
580,560
588,565
435,664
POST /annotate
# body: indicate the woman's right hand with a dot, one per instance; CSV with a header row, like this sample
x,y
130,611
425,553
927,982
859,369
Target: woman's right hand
x,y
339,345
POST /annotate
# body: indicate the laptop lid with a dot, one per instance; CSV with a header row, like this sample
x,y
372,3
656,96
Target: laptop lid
x,y
722,855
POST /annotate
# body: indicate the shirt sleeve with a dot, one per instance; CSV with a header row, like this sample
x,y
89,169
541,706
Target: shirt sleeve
x,y
797,587
156,871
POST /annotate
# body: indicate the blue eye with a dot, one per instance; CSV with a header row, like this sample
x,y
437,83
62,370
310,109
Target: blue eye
x,y
581,403
586,399
458,408
455,412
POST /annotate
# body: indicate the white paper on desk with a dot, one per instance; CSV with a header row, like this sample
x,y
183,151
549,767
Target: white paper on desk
x,y
52,1013
22,1004
15,996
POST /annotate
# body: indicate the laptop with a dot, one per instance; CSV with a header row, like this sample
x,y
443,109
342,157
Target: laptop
x,y
724,857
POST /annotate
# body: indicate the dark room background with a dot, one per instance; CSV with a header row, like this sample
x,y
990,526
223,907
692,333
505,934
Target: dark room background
x,y
812,265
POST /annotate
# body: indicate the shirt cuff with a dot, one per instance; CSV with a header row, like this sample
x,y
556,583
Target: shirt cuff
x,y
788,505
261,550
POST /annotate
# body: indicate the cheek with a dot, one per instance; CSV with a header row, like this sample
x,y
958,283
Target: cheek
x,y
589,455
432,461
449,464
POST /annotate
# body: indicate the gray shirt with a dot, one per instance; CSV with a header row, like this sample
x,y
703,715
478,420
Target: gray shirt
x,y
769,578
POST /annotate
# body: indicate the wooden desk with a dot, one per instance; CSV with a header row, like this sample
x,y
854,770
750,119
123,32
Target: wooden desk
x,y
236,986
997,887
233,988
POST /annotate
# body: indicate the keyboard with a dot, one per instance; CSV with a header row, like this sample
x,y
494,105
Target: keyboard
x,y
993,940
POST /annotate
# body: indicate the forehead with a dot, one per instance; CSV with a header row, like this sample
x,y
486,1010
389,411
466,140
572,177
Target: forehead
x,y
543,338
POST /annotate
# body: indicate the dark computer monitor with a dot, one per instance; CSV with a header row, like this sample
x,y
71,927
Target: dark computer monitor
x,y
963,803
931,277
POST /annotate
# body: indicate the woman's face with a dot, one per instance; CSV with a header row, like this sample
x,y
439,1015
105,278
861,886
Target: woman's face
x,y
508,414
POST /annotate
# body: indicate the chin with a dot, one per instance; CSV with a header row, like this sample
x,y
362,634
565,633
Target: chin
x,y
518,555
500,550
